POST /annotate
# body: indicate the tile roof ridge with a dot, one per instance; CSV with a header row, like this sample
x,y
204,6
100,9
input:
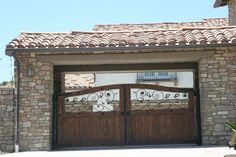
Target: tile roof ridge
x,y
153,30
22,33
201,28
214,18
166,22
129,31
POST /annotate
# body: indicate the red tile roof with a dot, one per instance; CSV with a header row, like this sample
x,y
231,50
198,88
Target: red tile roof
x,y
207,32
78,81
211,22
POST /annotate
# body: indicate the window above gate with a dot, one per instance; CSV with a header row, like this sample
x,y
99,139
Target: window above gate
x,y
156,76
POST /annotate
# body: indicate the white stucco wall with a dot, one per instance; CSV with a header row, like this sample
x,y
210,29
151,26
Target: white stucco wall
x,y
115,78
166,83
185,79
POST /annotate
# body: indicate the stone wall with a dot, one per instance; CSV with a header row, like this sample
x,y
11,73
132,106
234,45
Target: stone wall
x,y
217,81
232,12
35,103
6,120
217,76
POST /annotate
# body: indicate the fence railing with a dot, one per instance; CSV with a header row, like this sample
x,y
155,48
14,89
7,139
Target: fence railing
x,y
156,76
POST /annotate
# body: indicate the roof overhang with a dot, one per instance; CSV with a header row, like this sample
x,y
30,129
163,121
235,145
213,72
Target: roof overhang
x,y
106,50
124,55
220,3
128,58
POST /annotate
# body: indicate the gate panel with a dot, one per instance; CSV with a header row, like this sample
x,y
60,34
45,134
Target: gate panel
x,y
127,114
91,117
160,115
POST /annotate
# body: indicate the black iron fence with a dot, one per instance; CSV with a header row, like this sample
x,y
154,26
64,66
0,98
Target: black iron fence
x,y
156,76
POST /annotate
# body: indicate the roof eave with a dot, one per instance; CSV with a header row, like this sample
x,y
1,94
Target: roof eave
x,y
220,3
9,51
12,51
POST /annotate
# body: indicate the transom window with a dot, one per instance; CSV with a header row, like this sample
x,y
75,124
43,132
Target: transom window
x,y
156,76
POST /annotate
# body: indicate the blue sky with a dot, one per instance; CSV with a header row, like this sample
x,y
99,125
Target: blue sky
x,y
66,15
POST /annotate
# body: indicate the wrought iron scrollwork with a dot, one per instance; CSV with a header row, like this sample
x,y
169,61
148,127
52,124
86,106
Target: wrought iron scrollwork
x,y
102,101
150,99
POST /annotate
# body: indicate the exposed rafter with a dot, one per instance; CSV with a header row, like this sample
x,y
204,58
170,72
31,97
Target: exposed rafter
x,y
220,3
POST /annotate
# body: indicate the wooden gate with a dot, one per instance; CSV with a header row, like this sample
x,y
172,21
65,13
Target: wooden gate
x,y
127,114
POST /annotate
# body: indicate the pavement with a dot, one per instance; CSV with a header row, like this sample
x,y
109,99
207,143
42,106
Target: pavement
x,y
193,151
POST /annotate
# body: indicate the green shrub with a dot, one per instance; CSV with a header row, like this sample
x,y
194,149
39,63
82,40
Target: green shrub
x,y
232,141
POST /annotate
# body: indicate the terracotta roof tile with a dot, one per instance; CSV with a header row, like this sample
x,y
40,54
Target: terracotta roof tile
x,y
211,22
215,31
75,81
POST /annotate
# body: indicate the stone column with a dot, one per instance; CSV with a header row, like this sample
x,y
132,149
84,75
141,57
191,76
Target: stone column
x,y
6,120
232,12
35,103
218,95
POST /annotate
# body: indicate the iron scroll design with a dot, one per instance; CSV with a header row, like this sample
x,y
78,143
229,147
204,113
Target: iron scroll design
x,y
150,99
101,101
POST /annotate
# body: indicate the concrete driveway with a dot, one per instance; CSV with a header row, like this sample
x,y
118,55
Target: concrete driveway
x,y
134,152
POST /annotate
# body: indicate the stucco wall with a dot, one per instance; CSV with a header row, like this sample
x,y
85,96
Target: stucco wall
x,y
6,120
115,78
218,95
35,103
185,79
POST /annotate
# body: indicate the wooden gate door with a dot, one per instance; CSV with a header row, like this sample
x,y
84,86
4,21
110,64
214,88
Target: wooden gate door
x,y
127,114
159,115
91,117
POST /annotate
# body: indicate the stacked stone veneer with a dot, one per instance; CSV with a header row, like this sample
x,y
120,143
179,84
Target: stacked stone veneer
x,y
6,120
218,95
232,12
217,82
35,103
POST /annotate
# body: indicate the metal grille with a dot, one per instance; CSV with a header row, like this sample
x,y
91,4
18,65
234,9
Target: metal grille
x,y
149,99
156,76
102,101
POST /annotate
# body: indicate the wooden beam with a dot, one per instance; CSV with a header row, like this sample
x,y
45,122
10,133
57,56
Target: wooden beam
x,y
220,3
126,67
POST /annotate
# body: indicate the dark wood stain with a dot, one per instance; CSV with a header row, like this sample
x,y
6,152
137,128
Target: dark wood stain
x,y
126,126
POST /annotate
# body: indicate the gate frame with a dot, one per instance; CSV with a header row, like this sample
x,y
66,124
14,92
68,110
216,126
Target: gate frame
x,y
59,69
